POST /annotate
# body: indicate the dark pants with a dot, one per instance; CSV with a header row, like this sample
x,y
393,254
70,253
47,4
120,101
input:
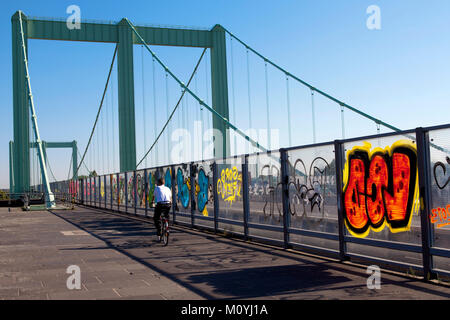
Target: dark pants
x,y
161,208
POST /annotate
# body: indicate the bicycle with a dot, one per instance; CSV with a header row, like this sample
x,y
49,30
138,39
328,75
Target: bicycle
x,y
164,229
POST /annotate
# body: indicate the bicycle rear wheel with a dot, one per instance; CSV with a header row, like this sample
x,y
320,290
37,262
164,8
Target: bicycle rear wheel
x,y
165,233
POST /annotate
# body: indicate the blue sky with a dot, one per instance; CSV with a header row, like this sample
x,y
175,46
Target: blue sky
x,y
399,74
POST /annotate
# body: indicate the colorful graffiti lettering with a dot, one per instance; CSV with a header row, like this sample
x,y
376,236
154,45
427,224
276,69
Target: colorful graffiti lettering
x,y
130,192
168,179
140,190
380,187
113,183
121,198
202,191
183,189
436,179
151,188
308,188
440,216
229,185
102,189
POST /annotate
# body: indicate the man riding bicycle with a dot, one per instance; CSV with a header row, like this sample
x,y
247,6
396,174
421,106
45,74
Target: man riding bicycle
x,y
163,200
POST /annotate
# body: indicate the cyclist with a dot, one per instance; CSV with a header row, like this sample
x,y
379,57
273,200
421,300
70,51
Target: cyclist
x,y
163,199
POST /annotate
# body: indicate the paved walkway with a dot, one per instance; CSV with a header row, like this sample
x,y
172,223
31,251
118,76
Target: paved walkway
x,y
120,259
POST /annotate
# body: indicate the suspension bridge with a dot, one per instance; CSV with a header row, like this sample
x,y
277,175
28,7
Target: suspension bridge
x,y
208,107
379,198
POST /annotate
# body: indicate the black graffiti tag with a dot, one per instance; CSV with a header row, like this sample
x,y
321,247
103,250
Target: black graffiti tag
x,y
441,165
310,190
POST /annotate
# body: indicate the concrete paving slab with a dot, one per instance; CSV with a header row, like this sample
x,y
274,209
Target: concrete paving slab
x,y
120,259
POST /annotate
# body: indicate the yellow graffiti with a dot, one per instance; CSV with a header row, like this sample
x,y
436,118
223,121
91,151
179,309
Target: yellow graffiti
x,y
229,185
102,189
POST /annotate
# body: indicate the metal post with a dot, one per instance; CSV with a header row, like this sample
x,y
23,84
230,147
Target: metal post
x,y
95,191
111,192
216,199
245,195
118,191
285,195
135,192
146,192
423,162
90,191
11,167
192,192
126,192
83,191
174,196
106,193
339,157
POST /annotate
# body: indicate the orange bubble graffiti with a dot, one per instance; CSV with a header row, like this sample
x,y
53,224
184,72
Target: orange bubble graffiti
x,y
380,187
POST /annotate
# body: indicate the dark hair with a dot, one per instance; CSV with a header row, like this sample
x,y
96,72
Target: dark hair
x,y
160,181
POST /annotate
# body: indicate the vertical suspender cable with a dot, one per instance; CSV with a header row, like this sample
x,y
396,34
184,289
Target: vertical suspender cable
x,y
232,92
210,119
269,145
249,95
103,137
167,112
108,155
144,117
180,124
313,116
342,122
200,118
289,111
155,154
189,125
113,125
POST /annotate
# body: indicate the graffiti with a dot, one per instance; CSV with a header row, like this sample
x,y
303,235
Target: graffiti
x,y
121,186
168,179
380,187
102,189
308,188
272,187
130,192
140,190
440,216
229,185
203,191
435,169
183,188
113,181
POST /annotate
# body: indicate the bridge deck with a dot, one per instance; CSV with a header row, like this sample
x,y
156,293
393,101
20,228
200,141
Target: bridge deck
x,y
119,258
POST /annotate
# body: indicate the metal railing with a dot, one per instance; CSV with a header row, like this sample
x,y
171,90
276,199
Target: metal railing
x,y
293,198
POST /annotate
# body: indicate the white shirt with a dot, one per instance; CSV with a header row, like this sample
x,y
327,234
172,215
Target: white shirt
x,y
163,194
